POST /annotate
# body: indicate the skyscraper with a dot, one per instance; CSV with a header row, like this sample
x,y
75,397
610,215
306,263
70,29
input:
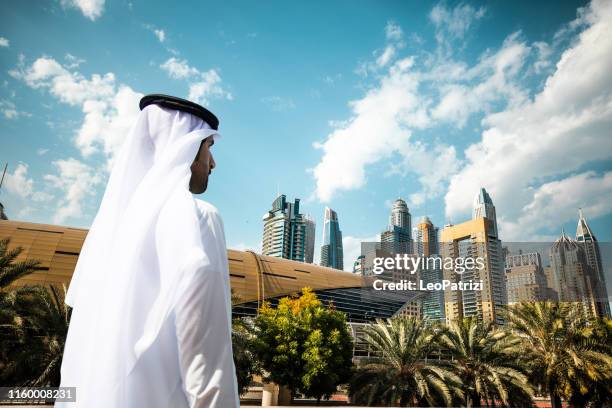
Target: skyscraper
x,y
426,245
574,279
396,237
525,278
587,240
483,207
287,233
474,239
426,238
331,250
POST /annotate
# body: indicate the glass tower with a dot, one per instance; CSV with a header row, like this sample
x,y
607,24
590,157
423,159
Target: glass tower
x,y
331,250
287,233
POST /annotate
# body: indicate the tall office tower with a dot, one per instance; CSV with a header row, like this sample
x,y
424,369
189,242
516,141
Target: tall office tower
x,y
483,207
475,239
587,240
396,237
2,214
525,278
331,250
426,238
550,284
287,233
310,227
575,281
426,245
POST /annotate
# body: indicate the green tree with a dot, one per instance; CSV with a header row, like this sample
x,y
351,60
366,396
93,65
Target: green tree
x,y
402,374
488,361
304,345
39,329
243,346
10,271
569,355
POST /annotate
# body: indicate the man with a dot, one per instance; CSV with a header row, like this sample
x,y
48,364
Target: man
x,y
151,318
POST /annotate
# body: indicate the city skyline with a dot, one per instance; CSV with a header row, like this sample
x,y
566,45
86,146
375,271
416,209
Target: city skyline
x,y
350,109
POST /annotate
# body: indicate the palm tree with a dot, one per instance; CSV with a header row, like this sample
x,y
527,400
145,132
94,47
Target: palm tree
x,y
569,354
10,271
40,329
486,359
402,374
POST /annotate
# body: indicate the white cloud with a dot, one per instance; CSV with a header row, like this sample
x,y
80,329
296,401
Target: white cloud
x,y
109,108
376,129
160,34
92,9
203,85
544,52
42,151
178,69
452,25
393,31
77,181
495,78
279,104
4,42
209,86
72,61
386,56
18,182
9,110
559,201
559,131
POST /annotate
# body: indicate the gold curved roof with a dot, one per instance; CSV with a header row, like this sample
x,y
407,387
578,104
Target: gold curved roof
x,y
253,276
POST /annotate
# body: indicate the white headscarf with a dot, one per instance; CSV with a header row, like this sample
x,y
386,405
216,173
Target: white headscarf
x,y
123,287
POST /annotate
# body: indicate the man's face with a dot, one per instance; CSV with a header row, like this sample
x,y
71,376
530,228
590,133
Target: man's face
x,y
202,167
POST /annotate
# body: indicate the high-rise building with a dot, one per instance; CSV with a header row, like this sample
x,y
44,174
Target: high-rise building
x,y
331,250
287,233
550,284
426,245
483,207
396,237
475,239
587,240
2,214
525,278
575,281
426,238
309,240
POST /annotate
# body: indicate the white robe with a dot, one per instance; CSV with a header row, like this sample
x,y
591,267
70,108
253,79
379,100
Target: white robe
x,y
190,364
151,318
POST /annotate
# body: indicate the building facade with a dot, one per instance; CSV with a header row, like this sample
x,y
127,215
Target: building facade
x,y
525,278
331,250
475,239
575,281
396,237
426,245
590,246
287,233
483,208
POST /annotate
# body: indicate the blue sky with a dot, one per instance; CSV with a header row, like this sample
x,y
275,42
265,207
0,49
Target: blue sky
x,y
347,104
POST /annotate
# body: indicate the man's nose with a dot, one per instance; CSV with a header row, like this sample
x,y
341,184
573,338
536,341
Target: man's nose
x,y
212,163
